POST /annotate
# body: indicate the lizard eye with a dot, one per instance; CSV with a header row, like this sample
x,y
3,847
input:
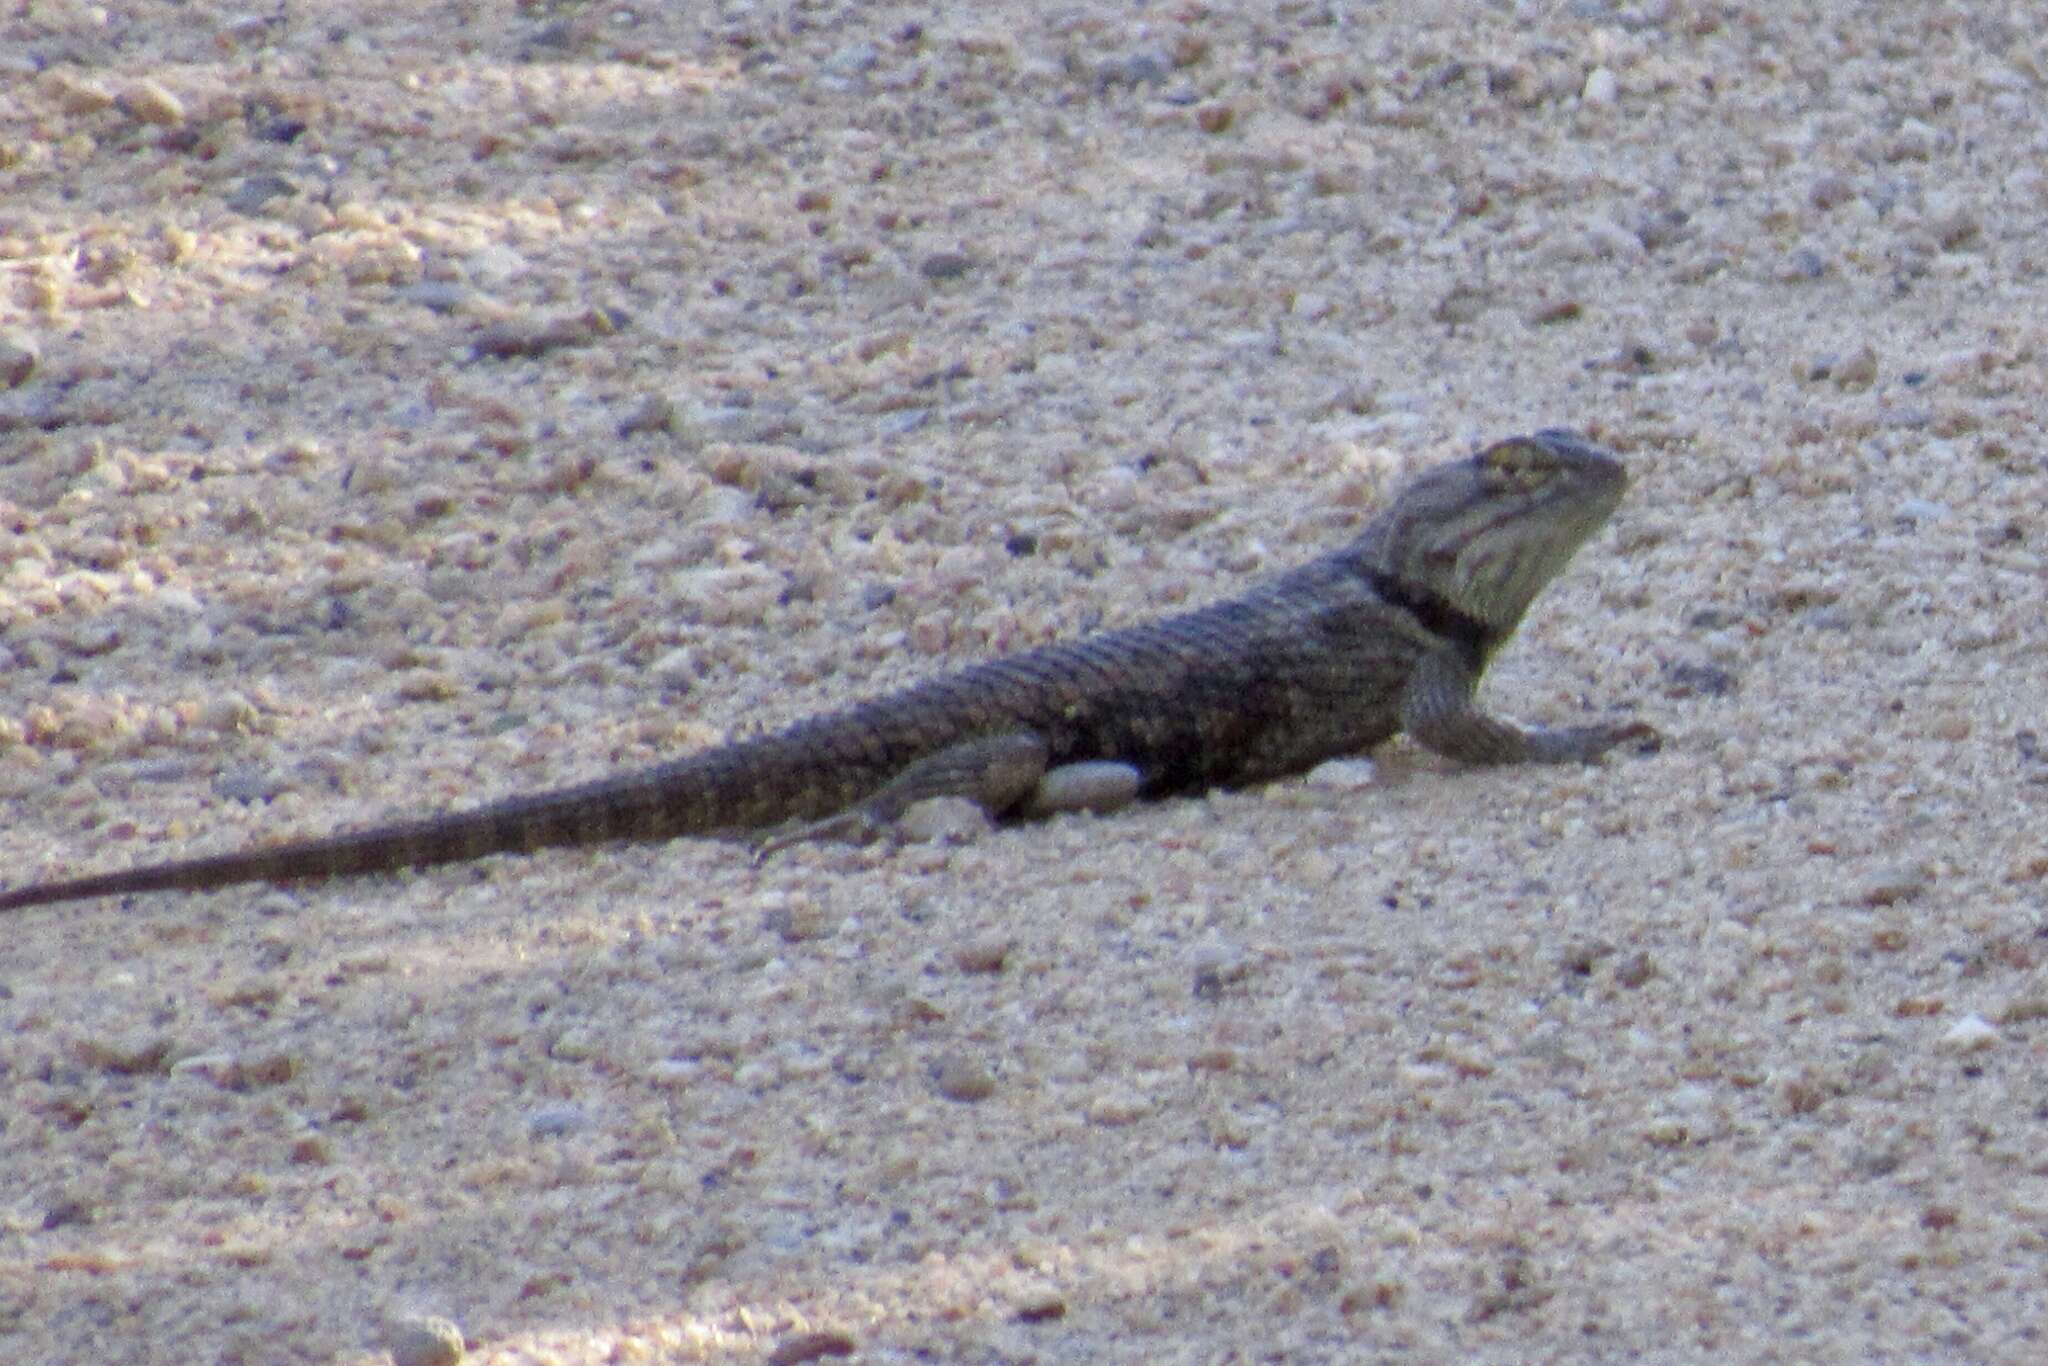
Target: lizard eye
x,y
1516,462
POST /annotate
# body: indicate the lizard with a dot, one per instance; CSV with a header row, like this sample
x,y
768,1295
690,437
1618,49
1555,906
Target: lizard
x,y
1386,634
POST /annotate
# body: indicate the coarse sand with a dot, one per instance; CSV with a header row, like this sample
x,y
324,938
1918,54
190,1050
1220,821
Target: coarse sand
x,y
407,404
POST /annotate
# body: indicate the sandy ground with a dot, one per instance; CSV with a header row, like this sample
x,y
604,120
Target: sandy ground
x,y
406,404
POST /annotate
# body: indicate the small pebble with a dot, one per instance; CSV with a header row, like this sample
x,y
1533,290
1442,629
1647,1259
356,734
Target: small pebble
x,y
2029,1006
496,264
1916,141
945,265
427,685
1219,965
1857,370
1889,889
77,95
148,102
1699,678
1921,511
1970,1034
1958,230
573,1045
1116,1112
982,955
438,296
129,1055
799,920
1601,87
937,820
1139,68
556,1121
1667,1131
904,421
1344,775
806,1347
231,1072
19,356
1553,311
1803,263
1606,238
1100,786
424,1341
1047,1306
251,785
66,1210
530,337
1635,970
855,59
249,28
962,1078
255,192
1830,191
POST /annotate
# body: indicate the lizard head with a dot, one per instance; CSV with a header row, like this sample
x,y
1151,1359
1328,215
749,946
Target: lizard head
x,y
1486,534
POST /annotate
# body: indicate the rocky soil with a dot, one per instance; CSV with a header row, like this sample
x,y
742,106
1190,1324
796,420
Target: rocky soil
x,y
403,404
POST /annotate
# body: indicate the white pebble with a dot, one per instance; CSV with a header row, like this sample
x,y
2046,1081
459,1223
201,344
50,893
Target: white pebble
x,y
1098,785
1344,775
424,1341
1971,1034
1921,510
951,820
556,1120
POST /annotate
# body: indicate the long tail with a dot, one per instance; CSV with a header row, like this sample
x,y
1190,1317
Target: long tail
x,y
636,807
750,785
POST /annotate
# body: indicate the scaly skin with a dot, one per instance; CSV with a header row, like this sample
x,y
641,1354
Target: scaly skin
x,y
1388,633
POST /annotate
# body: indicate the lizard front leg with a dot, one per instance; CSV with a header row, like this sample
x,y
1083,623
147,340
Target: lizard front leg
x,y
1437,708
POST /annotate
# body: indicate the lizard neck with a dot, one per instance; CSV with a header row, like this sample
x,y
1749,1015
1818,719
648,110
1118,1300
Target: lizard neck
x,y
1473,638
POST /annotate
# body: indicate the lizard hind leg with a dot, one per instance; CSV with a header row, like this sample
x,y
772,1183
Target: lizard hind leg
x,y
998,773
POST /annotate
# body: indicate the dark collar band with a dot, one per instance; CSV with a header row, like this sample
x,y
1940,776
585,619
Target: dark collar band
x,y
1473,637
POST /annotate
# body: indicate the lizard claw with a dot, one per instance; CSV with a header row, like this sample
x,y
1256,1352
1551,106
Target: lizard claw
x,y
853,826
